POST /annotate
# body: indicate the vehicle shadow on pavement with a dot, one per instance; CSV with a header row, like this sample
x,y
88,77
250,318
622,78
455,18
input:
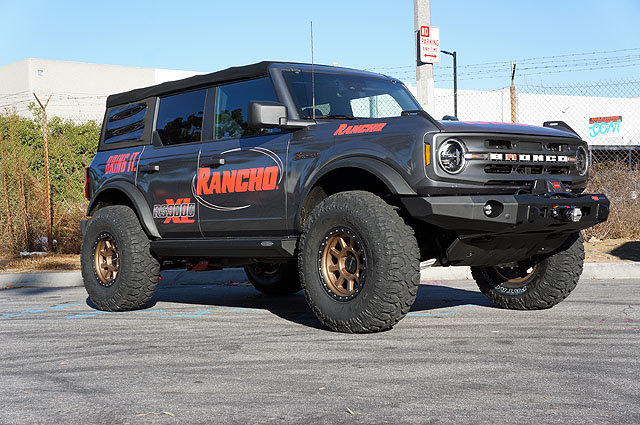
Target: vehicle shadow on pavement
x,y
294,307
627,251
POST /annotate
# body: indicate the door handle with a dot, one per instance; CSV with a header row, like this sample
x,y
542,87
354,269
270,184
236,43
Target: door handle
x,y
214,161
149,168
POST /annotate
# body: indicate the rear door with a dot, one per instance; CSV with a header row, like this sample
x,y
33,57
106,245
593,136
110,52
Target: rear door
x,y
239,187
167,167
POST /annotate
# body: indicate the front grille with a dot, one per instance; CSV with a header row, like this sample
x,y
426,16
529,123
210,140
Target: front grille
x,y
530,169
529,147
555,170
498,169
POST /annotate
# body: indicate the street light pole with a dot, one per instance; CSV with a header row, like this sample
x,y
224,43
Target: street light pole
x,y
455,81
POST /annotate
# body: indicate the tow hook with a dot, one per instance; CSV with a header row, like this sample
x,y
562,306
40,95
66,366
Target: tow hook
x,y
566,213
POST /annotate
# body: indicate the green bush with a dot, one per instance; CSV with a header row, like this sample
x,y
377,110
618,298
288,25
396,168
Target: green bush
x,y
22,183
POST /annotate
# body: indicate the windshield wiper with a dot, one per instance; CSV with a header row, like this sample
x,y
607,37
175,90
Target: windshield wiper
x,y
337,117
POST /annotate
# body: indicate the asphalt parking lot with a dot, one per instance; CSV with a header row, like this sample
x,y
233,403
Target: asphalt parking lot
x,y
228,354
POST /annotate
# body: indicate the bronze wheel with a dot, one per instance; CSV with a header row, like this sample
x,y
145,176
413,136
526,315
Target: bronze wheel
x,y
517,274
106,261
536,283
342,264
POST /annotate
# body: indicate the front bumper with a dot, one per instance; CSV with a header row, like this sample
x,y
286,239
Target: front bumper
x,y
521,225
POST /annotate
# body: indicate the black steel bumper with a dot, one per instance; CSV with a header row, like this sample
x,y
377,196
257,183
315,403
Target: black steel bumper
x,y
518,227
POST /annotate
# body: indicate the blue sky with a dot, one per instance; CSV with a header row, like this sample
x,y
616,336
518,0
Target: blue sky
x,y
212,35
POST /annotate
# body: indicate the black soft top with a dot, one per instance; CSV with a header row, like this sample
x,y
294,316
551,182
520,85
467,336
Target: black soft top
x,y
230,74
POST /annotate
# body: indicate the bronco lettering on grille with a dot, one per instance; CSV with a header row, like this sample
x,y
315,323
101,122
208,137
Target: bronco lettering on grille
x,y
529,158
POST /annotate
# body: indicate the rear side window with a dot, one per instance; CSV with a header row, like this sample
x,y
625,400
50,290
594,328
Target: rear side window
x,y
231,107
125,123
180,117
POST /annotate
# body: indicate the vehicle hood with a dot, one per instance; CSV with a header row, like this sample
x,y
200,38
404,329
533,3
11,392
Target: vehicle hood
x,y
501,127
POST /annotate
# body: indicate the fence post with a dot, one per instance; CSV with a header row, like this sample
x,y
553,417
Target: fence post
x,y
45,132
512,90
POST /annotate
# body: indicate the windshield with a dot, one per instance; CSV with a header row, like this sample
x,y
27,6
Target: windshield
x,y
340,95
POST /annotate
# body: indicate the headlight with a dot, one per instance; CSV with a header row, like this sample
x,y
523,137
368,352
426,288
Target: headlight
x,y
451,156
582,161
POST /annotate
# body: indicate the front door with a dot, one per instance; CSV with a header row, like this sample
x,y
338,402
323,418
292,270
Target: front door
x,y
239,186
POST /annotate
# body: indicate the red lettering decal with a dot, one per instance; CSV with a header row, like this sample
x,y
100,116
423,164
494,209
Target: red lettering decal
x,y
178,211
228,181
123,162
255,179
172,211
241,186
203,177
349,129
107,167
270,178
184,211
215,182
380,126
340,130
132,161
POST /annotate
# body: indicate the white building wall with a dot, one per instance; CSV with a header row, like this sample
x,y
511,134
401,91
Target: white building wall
x,y
78,90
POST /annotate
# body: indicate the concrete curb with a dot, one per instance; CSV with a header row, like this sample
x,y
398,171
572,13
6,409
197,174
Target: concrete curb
x,y
617,270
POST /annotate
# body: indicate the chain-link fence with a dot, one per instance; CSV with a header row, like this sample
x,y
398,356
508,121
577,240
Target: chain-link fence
x,y
72,139
605,114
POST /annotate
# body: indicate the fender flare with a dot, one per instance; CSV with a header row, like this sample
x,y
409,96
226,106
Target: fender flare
x,y
137,200
389,176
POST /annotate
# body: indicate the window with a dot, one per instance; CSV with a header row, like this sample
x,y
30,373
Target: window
x,y
180,117
340,94
125,123
380,106
231,107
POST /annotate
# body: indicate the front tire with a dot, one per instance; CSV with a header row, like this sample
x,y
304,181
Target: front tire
x,y
359,263
537,283
118,269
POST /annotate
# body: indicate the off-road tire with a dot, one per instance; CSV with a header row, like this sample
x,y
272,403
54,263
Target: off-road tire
x,y
391,264
138,270
274,279
551,280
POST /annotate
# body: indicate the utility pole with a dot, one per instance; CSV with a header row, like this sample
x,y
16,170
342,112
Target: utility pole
x,y
45,133
424,72
455,81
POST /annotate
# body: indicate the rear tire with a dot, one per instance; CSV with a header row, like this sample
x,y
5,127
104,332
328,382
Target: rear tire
x,y
118,269
358,263
535,283
274,279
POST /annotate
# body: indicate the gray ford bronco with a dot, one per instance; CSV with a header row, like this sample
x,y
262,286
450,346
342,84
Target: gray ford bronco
x,y
332,181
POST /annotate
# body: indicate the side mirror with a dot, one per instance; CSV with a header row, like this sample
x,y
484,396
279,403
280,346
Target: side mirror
x,y
265,114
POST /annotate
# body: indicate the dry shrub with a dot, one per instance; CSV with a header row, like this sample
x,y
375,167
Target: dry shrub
x,y
66,224
620,183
